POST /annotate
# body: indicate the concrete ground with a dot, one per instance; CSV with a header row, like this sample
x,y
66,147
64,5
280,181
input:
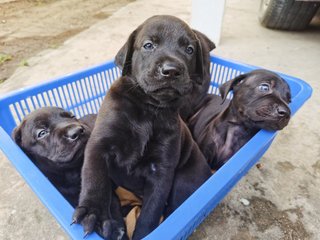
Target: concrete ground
x,y
283,195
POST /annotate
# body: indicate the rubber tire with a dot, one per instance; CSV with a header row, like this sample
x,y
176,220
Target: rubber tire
x,y
287,14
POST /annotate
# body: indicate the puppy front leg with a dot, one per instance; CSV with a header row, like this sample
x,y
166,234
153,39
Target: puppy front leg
x,y
155,195
93,211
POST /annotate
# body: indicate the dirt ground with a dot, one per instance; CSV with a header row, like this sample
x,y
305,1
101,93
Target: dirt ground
x,y
30,26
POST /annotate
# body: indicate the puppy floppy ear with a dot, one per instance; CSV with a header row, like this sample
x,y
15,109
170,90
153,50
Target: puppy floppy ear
x,y
124,56
16,134
204,46
225,88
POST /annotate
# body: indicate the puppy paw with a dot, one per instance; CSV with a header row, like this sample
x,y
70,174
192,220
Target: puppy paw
x,y
113,230
87,217
91,219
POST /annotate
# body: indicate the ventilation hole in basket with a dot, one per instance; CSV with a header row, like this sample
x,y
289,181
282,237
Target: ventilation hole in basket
x,y
18,110
118,72
57,97
211,68
210,90
104,81
88,88
94,107
217,75
215,90
67,96
14,114
89,108
221,75
225,75
97,103
229,76
79,91
109,80
35,102
60,97
213,73
52,98
41,101
84,89
100,84
77,98
82,96
222,72
46,99
114,73
73,89
95,86
95,89
30,104
100,101
71,95
24,107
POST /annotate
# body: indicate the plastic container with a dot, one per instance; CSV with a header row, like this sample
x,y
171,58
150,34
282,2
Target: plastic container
x,y
82,93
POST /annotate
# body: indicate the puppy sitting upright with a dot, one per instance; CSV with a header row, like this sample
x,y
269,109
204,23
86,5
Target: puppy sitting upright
x,y
55,141
260,101
139,139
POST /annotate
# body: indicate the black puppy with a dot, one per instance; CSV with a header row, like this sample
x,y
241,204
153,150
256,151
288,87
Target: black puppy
x,y
260,101
139,139
55,141
198,69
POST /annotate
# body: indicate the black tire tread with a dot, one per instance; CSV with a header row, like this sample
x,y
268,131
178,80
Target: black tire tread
x,y
288,14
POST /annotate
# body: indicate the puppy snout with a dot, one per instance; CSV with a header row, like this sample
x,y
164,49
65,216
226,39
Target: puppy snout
x,y
74,132
283,111
170,69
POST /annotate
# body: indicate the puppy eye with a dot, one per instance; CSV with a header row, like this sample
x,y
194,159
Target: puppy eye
x,y
189,49
148,46
41,133
67,115
264,87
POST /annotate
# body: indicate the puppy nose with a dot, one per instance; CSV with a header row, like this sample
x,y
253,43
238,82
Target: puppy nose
x,y
74,132
170,70
282,111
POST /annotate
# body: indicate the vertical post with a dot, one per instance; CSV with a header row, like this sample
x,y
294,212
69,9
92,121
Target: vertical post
x,y
207,17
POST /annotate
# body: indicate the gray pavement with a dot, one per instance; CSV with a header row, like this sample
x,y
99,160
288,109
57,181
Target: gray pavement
x,y
283,195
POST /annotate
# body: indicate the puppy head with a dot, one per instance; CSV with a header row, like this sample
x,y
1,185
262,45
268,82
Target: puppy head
x,y
261,99
166,58
52,137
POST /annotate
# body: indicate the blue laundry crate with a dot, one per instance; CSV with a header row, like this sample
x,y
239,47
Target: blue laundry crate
x,y
82,93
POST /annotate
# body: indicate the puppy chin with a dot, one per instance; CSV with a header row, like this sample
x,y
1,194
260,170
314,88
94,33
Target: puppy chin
x,y
166,94
168,99
69,162
272,124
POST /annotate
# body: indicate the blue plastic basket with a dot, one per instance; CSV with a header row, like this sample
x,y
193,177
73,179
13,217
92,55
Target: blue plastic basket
x,y
82,93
